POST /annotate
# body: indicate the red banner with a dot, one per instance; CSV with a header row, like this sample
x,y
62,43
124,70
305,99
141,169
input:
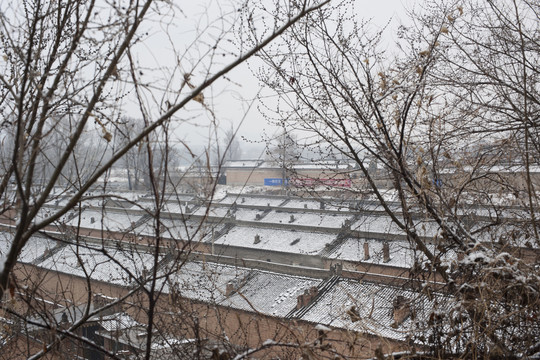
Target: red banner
x,y
316,182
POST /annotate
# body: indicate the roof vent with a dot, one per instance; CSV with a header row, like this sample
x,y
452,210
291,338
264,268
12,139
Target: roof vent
x,y
386,252
229,289
64,319
305,298
366,251
401,309
336,269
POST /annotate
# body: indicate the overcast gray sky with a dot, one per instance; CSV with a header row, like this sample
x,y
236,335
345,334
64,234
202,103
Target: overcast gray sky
x,y
230,100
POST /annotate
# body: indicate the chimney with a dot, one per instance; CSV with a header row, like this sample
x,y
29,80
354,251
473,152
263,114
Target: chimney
x,y
386,252
346,224
188,210
300,301
243,200
100,300
257,239
64,321
321,205
292,219
305,206
257,216
401,310
92,220
306,297
366,251
229,289
339,269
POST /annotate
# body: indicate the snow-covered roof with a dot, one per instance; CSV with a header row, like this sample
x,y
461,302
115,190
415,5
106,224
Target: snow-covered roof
x,y
34,248
203,281
270,293
115,265
253,290
178,229
402,254
373,308
276,295
322,219
328,204
112,220
324,165
385,225
242,163
492,169
118,322
48,211
214,211
247,200
298,242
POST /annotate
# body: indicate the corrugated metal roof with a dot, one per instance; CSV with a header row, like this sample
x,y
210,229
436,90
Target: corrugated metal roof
x,y
99,264
270,293
118,322
367,307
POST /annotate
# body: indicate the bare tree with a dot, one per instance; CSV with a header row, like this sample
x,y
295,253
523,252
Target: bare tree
x,y
232,145
68,69
452,121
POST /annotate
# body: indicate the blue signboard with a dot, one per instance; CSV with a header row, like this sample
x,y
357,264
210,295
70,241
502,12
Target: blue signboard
x,y
274,182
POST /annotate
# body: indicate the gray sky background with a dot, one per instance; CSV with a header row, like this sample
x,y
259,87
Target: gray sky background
x,y
229,99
